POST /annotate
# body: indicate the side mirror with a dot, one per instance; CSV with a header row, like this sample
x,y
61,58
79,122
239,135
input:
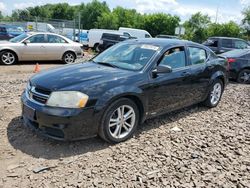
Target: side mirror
x,y
162,69
26,42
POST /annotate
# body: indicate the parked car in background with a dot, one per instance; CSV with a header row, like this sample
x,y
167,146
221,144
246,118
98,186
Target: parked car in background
x,y
167,36
109,39
10,31
137,33
224,44
95,35
239,64
33,46
121,87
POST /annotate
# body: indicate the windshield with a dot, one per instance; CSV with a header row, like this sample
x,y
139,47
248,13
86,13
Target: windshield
x,y
127,56
19,38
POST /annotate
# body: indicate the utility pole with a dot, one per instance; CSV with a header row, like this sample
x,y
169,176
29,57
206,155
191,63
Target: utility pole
x,y
217,11
79,24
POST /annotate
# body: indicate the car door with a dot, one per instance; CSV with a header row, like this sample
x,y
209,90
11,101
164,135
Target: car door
x,y
33,48
200,73
170,91
55,47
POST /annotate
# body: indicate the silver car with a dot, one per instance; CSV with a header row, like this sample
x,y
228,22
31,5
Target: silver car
x,y
33,46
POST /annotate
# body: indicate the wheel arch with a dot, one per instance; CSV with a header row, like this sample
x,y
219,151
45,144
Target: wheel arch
x,y
133,94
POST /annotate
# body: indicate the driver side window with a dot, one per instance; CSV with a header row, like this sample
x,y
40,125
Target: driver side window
x,y
174,57
37,38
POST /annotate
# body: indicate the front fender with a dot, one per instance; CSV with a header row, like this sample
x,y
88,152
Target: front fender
x,y
111,95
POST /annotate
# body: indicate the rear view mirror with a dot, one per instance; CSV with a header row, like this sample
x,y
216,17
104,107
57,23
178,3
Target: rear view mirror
x,y
162,69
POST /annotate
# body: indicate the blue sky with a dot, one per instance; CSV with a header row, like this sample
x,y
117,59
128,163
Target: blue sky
x,y
227,9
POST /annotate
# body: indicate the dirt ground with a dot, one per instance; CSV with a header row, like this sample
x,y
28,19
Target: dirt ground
x,y
211,148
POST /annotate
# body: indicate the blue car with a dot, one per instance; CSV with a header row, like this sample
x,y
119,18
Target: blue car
x,y
10,31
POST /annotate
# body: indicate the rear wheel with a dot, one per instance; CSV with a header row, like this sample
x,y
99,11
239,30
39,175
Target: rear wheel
x,y
69,57
215,94
119,121
96,47
8,58
244,77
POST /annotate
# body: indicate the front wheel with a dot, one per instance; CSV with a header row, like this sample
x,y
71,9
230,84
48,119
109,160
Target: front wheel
x,y
69,57
244,77
215,94
7,58
119,121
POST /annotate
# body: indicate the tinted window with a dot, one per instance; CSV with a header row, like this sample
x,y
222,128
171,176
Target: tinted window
x,y
239,44
147,36
226,43
175,58
37,38
197,55
55,39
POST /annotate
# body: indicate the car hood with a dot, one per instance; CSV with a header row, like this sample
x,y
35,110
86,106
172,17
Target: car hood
x,y
77,77
2,42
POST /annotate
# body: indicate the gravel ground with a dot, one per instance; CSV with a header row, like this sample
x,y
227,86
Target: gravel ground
x,y
193,147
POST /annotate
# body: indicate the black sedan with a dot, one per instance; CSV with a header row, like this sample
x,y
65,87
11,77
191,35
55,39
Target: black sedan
x,y
122,87
239,65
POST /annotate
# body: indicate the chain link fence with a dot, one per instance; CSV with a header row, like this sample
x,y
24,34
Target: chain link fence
x,y
67,28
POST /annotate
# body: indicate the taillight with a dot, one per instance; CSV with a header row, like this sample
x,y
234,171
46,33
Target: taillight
x,y
231,60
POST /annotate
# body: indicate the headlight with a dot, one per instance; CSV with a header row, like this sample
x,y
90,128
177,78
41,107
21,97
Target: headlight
x,y
68,99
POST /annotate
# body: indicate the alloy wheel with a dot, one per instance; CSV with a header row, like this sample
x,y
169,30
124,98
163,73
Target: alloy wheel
x,y
244,77
122,121
8,58
216,93
69,58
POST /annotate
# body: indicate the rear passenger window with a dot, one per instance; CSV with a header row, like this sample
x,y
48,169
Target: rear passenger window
x,y
175,58
197,55
238,44
226,43
212,42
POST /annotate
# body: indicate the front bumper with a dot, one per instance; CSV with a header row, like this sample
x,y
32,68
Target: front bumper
x,y
59,123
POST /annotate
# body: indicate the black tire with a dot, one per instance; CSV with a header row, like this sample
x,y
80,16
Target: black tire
x,y
104,129
208,102
69,57
96,48
241,74
10,54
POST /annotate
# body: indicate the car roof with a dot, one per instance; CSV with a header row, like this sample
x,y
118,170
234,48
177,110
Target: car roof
x,y
164,42
225,38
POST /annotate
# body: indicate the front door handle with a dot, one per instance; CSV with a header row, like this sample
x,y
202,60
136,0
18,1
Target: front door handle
x,y
185,74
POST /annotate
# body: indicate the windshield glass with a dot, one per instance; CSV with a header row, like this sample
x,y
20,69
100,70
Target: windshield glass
x,y
127,56
19,38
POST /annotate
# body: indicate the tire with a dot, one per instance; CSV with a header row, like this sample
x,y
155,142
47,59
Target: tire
x,y
69,57
115,129
96,48
215,93
8,58
244,76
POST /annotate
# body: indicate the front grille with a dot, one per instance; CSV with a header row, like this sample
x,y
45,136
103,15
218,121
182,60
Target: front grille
x,y
39,95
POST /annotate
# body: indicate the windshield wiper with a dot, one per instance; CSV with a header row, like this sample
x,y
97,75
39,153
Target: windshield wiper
x,y
107,64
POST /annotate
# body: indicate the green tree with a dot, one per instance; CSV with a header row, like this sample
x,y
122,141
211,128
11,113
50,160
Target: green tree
x,y
160,23
91,13
246,21
230,29
62,11
196,27
1,15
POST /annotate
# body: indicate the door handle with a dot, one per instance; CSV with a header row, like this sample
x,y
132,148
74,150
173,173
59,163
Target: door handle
x,y
185,74
210,67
